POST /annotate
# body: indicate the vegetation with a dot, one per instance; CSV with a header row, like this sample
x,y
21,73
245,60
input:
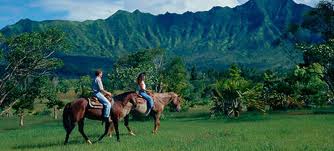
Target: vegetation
x,y
320,20
26,57
228,93
50,90
176,71
191,130
127,69
27,60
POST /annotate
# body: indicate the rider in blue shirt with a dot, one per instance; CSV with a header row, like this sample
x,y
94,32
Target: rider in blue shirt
x,y
100,93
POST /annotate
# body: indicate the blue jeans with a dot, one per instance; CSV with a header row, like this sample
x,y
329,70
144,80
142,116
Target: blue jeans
x,y
148,98
105,102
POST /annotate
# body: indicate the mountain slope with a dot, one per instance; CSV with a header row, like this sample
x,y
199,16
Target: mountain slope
x,y
220,36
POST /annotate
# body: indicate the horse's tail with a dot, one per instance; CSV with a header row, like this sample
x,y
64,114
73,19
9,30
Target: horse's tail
x,y
67,117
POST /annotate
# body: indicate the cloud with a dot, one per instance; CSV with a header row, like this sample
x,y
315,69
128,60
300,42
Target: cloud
x,y
81,10
242,1
307,2
88,9
100,9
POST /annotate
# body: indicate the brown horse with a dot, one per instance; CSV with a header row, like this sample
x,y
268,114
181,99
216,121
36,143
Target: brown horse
x,y
160,101
78,110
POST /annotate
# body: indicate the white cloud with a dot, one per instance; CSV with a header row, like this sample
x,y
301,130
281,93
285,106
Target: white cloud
x,y
83,9
242,1
307,2
89,9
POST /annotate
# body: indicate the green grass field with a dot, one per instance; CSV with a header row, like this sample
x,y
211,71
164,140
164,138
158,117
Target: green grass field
x,y
180,131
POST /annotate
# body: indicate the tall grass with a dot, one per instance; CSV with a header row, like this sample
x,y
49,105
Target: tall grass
x,y
180,131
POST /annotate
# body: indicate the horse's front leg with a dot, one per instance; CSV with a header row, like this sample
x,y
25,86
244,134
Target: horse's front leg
x,y
126,124
156,117
115,121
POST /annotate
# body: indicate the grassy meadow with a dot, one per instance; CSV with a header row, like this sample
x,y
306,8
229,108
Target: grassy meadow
x,y
192,130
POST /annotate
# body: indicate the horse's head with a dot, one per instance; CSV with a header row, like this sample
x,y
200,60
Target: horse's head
x,y
176,102
128,97
132,99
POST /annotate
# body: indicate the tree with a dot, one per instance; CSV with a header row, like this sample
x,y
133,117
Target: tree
x,y
321,19
83,88
317,56
308,85
27,56
276,91
324,55
126,70
302,87
50,92
227,93
198,82
176,78
26,94
64,86
193,73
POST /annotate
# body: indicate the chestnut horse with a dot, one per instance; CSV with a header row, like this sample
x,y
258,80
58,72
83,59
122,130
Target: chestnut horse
x,y
78,110
160,101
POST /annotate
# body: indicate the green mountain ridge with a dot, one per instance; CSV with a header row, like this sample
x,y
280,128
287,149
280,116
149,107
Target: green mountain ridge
x,y
209,39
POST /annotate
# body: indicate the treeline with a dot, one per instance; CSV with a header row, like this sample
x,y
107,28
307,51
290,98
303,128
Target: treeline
x,y
303,86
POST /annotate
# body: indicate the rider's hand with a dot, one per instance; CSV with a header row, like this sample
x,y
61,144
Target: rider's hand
x,y
109,94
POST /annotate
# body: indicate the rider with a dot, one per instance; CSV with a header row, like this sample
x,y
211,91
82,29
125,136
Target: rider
x,y
100,93
142,92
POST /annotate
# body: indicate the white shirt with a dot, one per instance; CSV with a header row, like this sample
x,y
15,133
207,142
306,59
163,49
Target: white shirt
x,y
144,85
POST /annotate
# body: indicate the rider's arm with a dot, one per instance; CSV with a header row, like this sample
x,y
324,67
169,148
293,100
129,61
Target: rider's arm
x,y
141,85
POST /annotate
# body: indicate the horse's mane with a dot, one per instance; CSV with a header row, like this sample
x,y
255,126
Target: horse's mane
x,y
122,96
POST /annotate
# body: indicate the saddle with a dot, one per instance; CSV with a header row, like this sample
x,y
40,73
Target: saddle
x,y
141,100
93,102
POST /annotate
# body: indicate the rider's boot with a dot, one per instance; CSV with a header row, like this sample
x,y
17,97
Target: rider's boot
x,y
106,119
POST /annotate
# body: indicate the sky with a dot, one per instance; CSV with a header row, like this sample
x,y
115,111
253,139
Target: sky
x,y
12,11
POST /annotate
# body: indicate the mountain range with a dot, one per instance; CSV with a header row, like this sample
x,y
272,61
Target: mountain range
x,y
210,39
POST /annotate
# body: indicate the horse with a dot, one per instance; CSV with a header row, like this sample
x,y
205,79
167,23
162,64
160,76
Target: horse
x,y
160,101
78,110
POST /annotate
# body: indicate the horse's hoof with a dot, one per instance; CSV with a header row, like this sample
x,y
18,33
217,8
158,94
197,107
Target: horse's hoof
x,y
110,136
89,142
132,134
